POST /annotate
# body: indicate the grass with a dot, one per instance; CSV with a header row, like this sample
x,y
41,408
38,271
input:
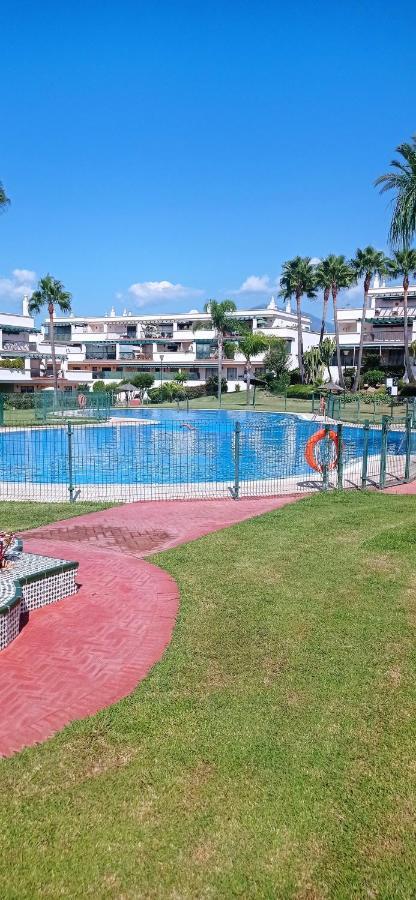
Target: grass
x,y
270,753
21,516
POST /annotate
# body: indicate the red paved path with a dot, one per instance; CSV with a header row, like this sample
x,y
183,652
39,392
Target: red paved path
x,y
90,650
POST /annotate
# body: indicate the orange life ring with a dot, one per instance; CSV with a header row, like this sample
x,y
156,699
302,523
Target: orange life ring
x,y
311,447
82,401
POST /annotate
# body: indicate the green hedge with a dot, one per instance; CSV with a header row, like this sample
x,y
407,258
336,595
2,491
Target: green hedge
x,y
301,391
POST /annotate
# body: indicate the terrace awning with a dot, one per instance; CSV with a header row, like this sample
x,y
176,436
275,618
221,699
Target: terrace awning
x,y
389,320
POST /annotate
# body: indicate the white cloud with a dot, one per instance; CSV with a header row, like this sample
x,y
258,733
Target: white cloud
x,y
352,296
16,285
148,292
256,284
315,261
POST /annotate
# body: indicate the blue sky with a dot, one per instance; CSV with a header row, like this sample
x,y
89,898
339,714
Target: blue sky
x,y
194,144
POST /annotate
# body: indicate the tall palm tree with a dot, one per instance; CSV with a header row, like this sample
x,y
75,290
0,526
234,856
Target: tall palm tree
x,y
223,324
403,182
51,293
342,276
297,279
323,281
251,344
403,264
366,263
4,200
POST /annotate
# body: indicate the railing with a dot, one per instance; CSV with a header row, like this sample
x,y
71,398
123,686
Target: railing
x,y
197,456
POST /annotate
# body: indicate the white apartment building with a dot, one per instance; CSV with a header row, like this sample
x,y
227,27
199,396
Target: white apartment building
x,y
115,347
383,327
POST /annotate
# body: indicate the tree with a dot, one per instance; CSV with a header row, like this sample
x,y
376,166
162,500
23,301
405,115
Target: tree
x,y
323,281
342,276
313,365
51,293
403,264
297,279
366,263
251,344
98,386
180,377
403,182
277,357
4,200
223,324
143,381
326,352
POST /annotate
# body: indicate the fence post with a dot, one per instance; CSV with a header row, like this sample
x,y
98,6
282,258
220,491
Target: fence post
x,y
408,447
187,404
325,468
313,403
366,433
340,460
285,401
1,410
383,455
237,437
70,464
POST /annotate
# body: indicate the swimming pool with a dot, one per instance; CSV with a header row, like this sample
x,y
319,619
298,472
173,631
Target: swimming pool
x,y
158,452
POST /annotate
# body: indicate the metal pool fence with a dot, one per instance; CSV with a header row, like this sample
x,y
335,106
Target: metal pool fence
x,y
139,460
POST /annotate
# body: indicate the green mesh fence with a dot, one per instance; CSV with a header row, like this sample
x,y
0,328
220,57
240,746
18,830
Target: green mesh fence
x,y
198,456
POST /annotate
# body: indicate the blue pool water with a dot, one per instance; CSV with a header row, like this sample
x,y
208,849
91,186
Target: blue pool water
x,y
172,448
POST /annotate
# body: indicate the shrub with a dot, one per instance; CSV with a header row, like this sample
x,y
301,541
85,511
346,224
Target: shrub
x,y
407,390
373,377
98,386
237,388
194,391
295,376
211,386
301,391
17,363
19,401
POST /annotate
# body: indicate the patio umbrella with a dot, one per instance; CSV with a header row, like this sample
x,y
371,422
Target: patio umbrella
x,y
331,386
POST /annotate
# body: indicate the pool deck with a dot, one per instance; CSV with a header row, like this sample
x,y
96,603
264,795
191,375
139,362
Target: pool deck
x,y
90,650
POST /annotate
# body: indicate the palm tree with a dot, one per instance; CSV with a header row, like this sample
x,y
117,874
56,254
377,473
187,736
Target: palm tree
x,y
4,200
342,276
223,324
298,278
403,182
403,265
50,293
366,263
251,344
323,281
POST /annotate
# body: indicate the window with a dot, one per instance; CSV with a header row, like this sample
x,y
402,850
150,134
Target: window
x,y
100,350
232,373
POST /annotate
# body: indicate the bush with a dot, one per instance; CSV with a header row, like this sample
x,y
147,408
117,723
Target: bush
x,y
211,386
301,391
197,390
17,363
349,375
237,388
98,386
295,376
19,401
373,377
407,390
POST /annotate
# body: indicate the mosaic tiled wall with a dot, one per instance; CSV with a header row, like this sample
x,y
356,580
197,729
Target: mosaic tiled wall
x,y
40,580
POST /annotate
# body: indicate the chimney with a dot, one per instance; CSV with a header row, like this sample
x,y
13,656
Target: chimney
x,y
288,306
25,305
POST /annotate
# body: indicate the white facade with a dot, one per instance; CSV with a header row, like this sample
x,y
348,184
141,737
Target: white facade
x,y
112,348
383,327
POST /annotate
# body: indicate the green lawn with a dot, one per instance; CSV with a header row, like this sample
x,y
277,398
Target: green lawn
x,y
270,753
20,516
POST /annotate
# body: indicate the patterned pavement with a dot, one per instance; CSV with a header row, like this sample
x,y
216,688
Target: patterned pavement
x,y
88,651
